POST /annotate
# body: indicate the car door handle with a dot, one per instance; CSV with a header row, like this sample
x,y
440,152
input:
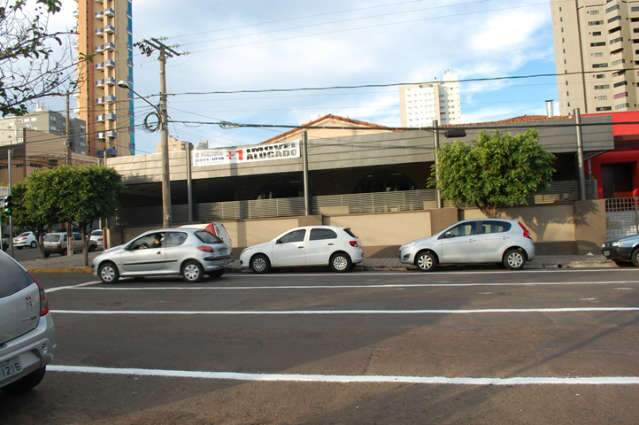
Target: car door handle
x,y
331,244
300,247
158,253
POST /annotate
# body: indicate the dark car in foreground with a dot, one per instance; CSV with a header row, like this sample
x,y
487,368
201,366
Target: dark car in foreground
x,y
622,251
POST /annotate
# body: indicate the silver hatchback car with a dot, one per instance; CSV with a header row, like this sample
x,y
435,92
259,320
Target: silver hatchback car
x,y
187,252
27,340
471,242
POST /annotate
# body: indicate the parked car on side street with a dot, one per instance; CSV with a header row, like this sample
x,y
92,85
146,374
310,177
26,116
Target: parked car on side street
x,y
182,251
25,240
5,243
622,251
472,242
27,340
56,243
331,246
96,240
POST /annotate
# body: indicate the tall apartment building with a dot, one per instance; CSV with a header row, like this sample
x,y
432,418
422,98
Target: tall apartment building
x,y
42,120
596,40
105,38
420,104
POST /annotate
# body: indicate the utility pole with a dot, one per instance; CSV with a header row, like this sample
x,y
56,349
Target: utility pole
x,y
189,182
581,57
10,183
307,208
149,46
67,157
436,154
580,156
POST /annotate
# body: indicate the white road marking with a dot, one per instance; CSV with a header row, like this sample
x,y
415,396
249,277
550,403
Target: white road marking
x,y
436,273
348,379
381,286
339,312
79,285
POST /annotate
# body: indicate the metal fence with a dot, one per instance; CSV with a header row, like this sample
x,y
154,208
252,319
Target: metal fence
x,y
622,217
376,202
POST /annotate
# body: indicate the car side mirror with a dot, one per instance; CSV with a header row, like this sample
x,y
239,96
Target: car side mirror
x,y
279,241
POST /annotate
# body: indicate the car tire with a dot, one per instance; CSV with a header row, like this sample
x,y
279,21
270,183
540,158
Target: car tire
x,y
260,264
34,245
108,273
192,271
217,273
27,383
635,257
47,254
340,263
19,247
514,259
426,261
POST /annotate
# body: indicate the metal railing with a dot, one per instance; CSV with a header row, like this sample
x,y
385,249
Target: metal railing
x,y
622,217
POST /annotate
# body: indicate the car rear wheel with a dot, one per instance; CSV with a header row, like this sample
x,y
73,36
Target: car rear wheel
x,y
514,259
341,263
635,257
192,271
108,273
260,264
426,261
26,384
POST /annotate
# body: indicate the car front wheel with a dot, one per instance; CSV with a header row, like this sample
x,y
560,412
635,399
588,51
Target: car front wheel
x,y
514,259
426,261
108,273
260,264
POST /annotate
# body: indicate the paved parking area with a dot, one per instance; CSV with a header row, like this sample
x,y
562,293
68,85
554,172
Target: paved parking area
x,y
456,347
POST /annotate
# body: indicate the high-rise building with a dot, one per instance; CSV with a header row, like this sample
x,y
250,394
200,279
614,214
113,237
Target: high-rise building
x,y
420,104
105,48
43,121
595,41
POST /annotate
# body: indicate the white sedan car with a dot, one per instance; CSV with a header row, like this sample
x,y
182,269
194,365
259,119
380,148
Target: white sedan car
x,y
25,240
331,246
472,242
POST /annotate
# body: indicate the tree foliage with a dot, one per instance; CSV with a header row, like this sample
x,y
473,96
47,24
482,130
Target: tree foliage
x,y
498,170
30,65
66,194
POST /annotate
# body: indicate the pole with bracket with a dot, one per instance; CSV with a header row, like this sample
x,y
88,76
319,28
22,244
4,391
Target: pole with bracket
x,y
305,172
436,155
10,183
580,156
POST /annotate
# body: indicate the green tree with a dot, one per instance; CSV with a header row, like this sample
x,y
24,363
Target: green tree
x,y
498,170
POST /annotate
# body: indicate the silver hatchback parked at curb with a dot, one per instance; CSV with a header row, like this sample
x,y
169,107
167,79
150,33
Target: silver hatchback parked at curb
x,y
472,242
189,253
27,340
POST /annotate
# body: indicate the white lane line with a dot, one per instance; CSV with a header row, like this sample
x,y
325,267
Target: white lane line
x,y
416,273
338,312
348,379
382,286
79,285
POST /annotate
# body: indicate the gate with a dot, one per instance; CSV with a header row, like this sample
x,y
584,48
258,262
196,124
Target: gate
x,y
622,217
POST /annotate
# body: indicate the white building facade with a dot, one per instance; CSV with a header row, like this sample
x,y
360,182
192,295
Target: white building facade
x,y
421,104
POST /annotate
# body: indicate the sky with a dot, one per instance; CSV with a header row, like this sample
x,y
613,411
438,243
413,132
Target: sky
x,y
246,44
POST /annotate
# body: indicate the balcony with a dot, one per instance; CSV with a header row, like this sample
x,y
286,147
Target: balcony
x,y
99,66
99,83
100,101
101,118
99,31
110,63
112,134
110,99
109,29
101,135
110,12
99,49
110,81
109,46
99,15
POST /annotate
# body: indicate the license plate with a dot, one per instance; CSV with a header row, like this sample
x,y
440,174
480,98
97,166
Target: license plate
x,y
606,253
10,368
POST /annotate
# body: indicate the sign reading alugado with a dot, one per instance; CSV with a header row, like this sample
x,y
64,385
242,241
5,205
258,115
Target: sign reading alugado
x,y
244,154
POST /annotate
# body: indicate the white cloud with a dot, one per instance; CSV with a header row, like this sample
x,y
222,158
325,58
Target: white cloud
x,y
509,29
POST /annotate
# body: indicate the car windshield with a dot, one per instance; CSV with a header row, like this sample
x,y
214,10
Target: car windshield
x,y
350,232
207,237
52,238
24,234
96,233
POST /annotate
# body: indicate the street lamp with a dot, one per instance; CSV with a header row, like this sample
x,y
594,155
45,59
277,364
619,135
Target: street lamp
x,y
160,112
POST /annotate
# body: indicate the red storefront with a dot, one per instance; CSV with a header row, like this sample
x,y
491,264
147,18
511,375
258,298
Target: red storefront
x,y
617,171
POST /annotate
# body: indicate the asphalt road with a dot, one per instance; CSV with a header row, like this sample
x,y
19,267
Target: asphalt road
x,y
460,347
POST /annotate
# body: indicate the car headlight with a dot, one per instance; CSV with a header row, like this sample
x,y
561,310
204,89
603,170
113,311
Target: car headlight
x,y
616,244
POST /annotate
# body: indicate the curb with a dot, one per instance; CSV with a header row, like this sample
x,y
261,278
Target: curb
x,y
60,270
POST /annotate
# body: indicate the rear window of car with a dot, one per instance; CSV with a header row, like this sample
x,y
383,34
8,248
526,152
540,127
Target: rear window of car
x,y
24,234
207,237
486,227
52,238
350,232
322,234
14,279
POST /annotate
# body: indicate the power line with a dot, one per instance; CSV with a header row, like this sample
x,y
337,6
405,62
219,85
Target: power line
x,y
397,84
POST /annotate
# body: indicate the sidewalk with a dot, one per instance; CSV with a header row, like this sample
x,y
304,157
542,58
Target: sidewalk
x,y
73,264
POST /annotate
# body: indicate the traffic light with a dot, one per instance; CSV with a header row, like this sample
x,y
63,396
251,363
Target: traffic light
x,y
6,205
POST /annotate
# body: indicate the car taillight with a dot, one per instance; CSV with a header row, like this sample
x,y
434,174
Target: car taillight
x,y
205,248
44,301
354,244
526,232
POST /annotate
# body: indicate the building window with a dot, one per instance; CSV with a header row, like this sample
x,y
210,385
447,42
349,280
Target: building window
x,y
593,23
602,86
600,65
616,40
601,97
611,8
596,33
600,76
598,44
620,83
614,18
602,108
634,9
